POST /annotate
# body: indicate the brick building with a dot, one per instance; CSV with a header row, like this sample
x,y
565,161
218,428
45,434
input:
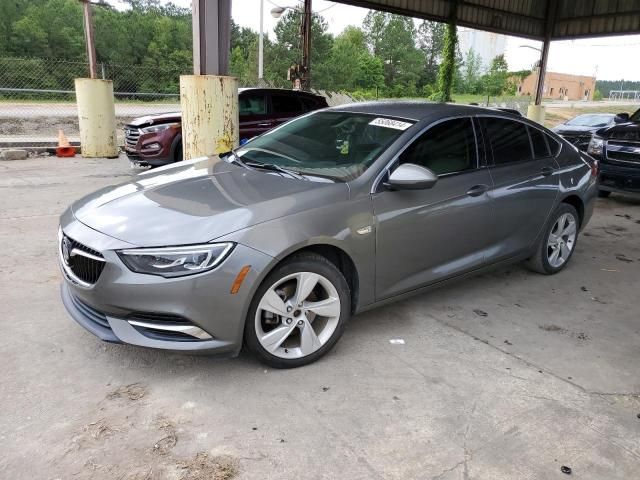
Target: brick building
x,y
559,86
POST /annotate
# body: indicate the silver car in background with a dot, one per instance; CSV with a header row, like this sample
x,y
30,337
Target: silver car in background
x,y
278,243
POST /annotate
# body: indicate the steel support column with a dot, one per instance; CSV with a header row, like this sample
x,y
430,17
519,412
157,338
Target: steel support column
x,y
209,98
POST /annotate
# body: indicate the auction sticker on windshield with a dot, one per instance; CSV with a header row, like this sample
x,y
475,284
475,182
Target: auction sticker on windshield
x,y
389,123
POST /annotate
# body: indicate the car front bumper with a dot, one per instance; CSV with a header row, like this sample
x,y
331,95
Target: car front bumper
x,y
620,179
127,307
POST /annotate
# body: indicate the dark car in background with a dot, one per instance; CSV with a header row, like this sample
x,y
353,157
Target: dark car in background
x,y
156,140
578,130
617,148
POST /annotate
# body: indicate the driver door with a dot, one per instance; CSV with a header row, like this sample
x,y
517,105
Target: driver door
x,y
423,236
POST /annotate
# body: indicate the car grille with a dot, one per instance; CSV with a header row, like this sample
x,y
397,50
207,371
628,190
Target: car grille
x,y
131,136
80,261
627,153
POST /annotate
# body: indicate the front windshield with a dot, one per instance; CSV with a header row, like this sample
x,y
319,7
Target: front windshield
x,y
636,116
590,120
335,145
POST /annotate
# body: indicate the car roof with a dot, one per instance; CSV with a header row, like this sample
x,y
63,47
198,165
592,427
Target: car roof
x,y
417,109
277,90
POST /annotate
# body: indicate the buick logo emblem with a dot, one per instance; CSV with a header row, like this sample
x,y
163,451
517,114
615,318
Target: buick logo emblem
x,y
66,250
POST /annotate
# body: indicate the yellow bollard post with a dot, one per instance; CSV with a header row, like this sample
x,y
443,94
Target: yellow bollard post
x,y
210,122
97,118
536,113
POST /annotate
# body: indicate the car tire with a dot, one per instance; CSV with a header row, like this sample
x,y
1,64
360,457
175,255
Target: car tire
x,y
603,193
282,311
558,241
177,156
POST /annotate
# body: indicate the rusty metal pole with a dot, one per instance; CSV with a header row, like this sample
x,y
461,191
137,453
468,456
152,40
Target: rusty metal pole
x,y
536,111
89,39
209,98
306,44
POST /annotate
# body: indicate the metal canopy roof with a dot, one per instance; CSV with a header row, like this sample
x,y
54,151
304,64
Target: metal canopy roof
x,y
566,19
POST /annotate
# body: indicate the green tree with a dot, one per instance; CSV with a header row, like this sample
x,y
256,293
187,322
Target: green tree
x,y
431,43
391,39
471,73
287,49
348,53
495,81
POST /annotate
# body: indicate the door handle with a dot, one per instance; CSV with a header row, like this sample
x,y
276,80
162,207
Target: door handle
x,y
546,171
477,190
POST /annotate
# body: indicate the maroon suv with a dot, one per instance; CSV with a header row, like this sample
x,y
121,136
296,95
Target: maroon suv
x,y
156,140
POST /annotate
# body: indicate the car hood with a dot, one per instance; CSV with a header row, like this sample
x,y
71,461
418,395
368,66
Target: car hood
x,y
198,201
564,128
621,131
156,119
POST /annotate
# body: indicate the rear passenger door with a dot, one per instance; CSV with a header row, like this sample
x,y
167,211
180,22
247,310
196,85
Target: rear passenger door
x,y
254,115
285,107
526,182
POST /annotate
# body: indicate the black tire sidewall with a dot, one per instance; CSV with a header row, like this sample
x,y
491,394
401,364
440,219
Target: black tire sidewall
x,y
304,263
561,210
178,156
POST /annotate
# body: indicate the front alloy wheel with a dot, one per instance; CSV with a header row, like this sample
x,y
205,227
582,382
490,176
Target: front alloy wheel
x,y
298,313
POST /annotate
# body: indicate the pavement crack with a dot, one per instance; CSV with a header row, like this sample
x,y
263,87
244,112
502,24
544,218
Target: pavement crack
x,y
511,354
449,470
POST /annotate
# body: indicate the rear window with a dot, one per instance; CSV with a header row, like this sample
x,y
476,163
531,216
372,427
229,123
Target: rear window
x,y
286,104
509,140
539,143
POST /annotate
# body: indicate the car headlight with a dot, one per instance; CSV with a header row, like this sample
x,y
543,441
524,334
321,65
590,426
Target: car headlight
x,y
159,128
172,262
596,146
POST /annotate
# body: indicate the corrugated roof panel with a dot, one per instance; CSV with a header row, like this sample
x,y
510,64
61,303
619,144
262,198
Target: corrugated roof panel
x,y
526,18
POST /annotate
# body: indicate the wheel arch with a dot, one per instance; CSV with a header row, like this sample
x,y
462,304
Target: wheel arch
x,y
337,255
576,202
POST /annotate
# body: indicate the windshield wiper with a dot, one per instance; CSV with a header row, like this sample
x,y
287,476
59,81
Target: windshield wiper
x,y
275,168
235,158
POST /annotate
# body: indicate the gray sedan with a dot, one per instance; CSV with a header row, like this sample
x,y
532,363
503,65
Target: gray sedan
x,y
279,242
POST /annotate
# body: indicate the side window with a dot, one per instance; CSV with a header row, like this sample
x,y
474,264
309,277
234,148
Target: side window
x,y
309,104
252,105
539,143
448,147
554,145
286,104
509,140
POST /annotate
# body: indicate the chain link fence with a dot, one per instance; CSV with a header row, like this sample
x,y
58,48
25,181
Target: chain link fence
x,y
37,95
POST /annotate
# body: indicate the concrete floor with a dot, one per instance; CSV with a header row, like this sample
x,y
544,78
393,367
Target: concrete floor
x,y
509,375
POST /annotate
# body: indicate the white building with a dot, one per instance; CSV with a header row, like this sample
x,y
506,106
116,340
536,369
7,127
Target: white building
x,y
485,44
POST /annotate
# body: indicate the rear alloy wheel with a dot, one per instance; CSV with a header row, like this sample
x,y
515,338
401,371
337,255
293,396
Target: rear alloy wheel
x,y
298,313
558,243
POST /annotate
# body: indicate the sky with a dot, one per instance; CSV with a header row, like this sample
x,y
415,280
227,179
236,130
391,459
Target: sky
x,y
609,58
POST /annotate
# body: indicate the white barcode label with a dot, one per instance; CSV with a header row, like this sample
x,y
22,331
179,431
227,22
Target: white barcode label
x,y
389,123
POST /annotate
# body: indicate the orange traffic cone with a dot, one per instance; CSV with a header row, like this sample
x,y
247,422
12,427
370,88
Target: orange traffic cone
x,y
64,147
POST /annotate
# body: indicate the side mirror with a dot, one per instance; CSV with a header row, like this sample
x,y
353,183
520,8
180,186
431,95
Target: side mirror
x,y
409,176
621,118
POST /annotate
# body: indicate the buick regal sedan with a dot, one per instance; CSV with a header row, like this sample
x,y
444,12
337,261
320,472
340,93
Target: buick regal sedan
x,y
278,243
